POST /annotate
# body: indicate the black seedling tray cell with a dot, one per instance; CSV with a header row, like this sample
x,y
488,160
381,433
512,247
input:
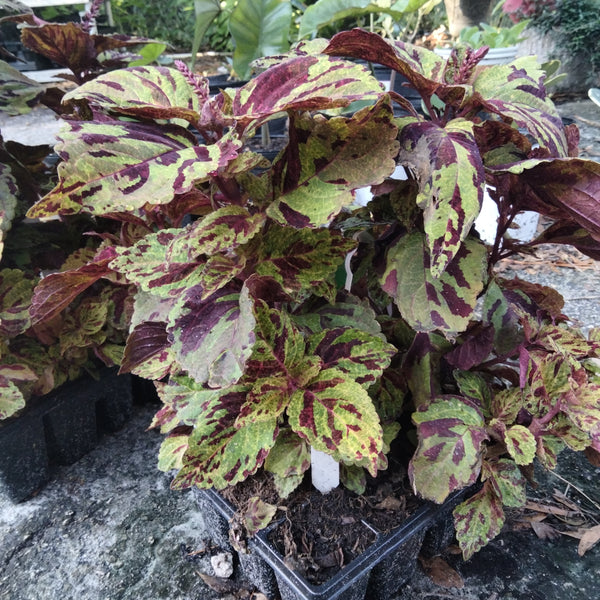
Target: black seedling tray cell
x,y
377,574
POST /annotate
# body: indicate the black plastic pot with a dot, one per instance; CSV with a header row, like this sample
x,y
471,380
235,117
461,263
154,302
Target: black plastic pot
x,y
60,428
377,574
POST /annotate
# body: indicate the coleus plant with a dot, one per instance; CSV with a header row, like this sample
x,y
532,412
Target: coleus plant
x,y
275,315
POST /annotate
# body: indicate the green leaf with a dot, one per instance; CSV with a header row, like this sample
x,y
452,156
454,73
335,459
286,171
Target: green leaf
x,y
359,355
507,480
336,156
337,416
219,454
517,91
120,166
451,181
149,53
521,444
205,12
11,398
258,515
428,303
478,520
302,260
451,433
17,92
155,92
303,83
326,12
212,339
288,460
259,28
172,450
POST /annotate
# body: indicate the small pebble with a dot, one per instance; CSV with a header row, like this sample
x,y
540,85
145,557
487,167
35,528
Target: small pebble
x,y
222,564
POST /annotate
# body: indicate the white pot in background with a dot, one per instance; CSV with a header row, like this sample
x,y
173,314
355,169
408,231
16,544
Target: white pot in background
x,y
524,226
495,56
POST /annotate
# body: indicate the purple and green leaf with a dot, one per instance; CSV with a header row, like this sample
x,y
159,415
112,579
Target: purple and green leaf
x,y
451,432
428,303
212,339
336,415
451,182
335,157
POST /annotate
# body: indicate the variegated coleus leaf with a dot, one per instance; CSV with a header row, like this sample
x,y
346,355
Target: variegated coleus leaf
x,y
119,166
500,313
11,398
288,460
153,265
361,356
17,92
348,311
172,260
212,339
328,158
451,181
148,92
478,520
451,432
56,291
16,289
185,401
428,303
148,352
69,45
308,82
570,184
279,349
507,480
173,448
258,515
220,231
521,444
8,201
219,454
303,261
582,407
517,91
83,327
422,67
336,415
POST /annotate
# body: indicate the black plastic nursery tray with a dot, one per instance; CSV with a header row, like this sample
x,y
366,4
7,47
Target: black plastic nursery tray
x,y
377,574
59,428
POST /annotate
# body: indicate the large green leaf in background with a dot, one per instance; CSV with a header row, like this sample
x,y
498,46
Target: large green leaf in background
x,y
327,12
259,28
